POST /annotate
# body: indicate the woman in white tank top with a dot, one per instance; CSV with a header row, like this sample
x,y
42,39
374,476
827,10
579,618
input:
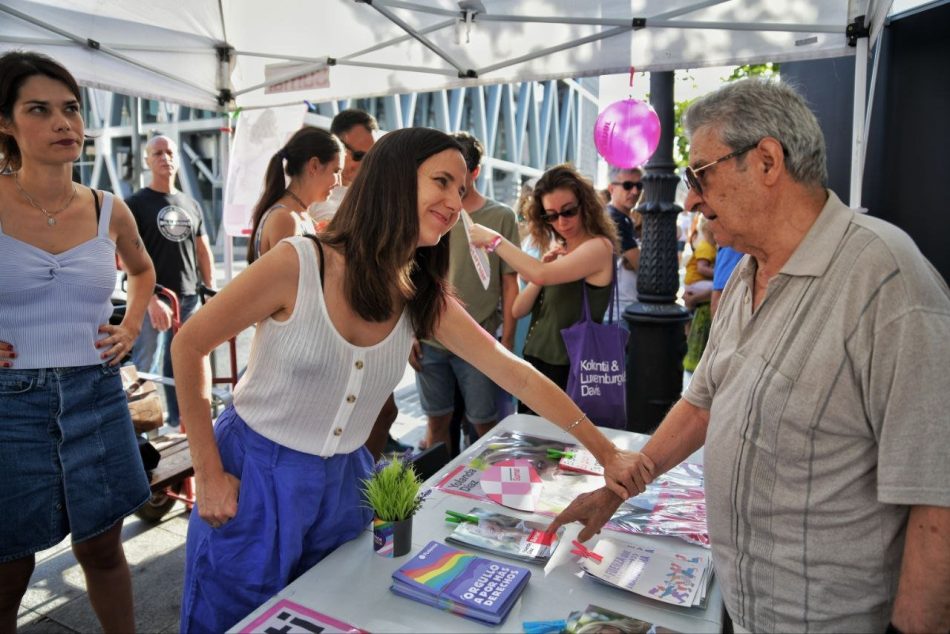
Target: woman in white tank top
x,y
310,160
336,320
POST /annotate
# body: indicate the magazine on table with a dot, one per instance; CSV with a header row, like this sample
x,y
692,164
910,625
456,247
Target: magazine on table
x,y
673,505
507,536
468,585
666,574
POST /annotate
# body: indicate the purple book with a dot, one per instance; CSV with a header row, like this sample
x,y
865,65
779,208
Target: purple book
x,y
475,587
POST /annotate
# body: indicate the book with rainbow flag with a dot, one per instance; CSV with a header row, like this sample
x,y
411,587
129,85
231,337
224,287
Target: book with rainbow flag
x,y
468,585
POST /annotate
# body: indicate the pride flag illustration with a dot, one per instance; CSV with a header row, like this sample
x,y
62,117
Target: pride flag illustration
x,y
469,585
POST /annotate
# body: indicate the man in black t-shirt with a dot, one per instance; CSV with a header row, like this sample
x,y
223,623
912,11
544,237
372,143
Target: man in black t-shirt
x,y
170,224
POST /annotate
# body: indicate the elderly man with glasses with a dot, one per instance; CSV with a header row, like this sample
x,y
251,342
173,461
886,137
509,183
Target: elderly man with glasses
x,y
822,396
625,189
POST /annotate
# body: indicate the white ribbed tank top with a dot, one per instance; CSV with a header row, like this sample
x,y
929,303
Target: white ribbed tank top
x,y
306,387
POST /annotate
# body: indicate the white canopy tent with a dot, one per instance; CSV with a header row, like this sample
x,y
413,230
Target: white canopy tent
x,y
223,54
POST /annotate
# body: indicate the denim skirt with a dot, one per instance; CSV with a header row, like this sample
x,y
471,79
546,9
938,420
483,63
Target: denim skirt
x,y
69,460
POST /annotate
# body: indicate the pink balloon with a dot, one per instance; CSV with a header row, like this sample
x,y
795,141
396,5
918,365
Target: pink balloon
x,y
626,133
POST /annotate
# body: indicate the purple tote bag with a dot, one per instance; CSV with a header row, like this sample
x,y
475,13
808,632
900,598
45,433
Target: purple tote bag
x,y
598,378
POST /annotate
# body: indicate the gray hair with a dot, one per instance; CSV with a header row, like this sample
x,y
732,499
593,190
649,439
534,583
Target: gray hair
x,y
615,171
746,111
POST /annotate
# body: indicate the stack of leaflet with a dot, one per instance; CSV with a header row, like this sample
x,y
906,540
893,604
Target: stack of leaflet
x,y
664,573
506,536
474,587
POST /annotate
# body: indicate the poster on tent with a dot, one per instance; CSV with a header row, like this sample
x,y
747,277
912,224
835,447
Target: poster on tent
x,y
257,137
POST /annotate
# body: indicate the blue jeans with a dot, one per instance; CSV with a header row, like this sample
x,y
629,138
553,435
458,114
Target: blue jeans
x,y
152,352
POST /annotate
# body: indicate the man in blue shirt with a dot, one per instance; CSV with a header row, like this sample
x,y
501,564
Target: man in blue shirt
x,y
726,259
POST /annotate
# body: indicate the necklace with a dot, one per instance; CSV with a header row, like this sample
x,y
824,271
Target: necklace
x,y
303,207
50,220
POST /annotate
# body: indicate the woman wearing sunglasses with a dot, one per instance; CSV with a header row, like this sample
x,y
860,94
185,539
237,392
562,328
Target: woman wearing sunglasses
x,y
579,242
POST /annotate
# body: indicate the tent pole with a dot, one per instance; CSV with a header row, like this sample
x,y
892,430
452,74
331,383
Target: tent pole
x,y
857,120
225,153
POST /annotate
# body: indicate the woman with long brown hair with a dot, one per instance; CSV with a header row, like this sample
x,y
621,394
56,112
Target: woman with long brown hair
x,y
567,220
69,463
279,473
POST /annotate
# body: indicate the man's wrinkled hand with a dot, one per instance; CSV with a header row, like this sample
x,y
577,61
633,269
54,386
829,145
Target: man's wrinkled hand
x,y
593,510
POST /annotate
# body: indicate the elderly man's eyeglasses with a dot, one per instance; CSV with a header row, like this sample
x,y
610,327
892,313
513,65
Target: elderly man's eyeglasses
x,y
628,185
551,217
691,175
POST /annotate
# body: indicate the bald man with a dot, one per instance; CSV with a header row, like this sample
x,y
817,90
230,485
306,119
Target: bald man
x,y
170,224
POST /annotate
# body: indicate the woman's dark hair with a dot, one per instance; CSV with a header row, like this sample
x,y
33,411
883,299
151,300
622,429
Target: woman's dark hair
x,y
595,219
15,68
306,143
377,230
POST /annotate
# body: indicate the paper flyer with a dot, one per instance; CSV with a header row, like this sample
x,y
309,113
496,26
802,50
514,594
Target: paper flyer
x,y
287,617
479,256
678,578
582,461
513,483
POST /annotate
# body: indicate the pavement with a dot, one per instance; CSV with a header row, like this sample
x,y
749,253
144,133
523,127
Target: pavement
x,y
56,601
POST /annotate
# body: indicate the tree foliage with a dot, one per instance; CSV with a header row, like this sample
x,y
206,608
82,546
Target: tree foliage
x,y
680,143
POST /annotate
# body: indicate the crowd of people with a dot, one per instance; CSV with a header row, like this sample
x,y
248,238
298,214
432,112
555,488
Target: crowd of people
x,y
816,389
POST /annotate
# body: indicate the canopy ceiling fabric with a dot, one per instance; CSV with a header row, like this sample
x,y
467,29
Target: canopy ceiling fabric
x,y
171,51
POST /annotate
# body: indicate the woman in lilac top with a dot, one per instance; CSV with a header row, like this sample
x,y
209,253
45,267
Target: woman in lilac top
x,y
69,463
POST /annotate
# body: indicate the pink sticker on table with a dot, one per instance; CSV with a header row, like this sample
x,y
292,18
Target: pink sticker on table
x,y
513,483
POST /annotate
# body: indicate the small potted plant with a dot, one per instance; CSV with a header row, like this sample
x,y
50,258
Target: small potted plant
x,y
393,494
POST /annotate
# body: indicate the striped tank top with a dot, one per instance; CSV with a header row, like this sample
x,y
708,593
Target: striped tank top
x,y
51,305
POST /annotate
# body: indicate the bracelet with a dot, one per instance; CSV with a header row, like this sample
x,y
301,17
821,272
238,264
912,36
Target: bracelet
x,y
576,423
491,246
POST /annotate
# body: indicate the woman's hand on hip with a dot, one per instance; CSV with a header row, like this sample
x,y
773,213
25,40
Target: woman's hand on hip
x,y
7,354
117,343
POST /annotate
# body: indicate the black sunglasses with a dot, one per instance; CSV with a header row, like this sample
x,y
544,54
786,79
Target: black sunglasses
x,y
552,217
628,185
356,155
691,176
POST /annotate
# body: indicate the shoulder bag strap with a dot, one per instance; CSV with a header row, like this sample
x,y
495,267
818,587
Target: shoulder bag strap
x,y
585,306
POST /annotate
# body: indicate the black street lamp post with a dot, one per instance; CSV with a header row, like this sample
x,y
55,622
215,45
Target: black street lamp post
x,y
657,340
